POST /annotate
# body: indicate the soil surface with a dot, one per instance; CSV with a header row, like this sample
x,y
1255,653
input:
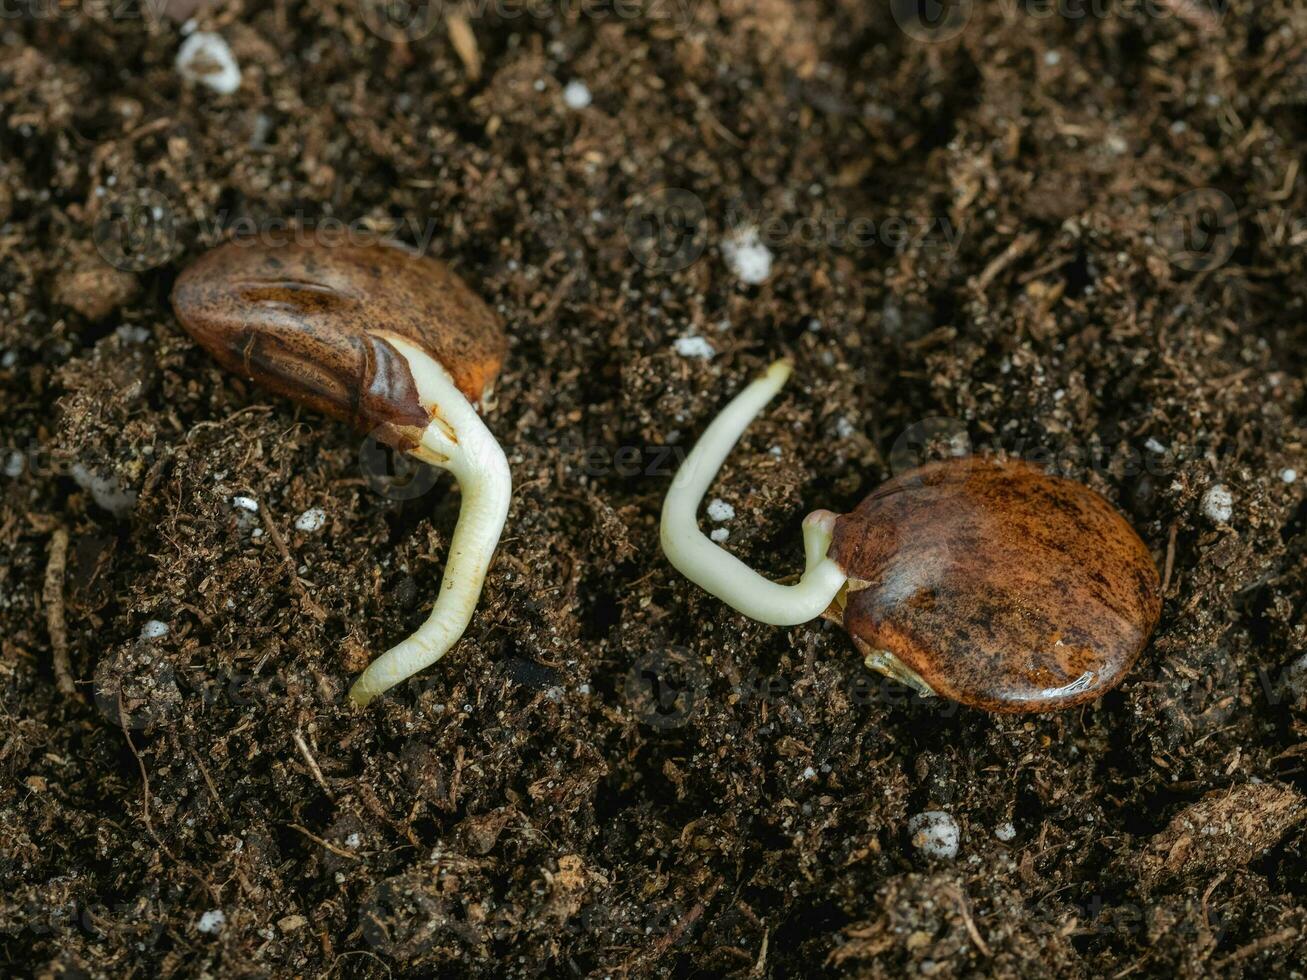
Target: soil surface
x,y
1069,232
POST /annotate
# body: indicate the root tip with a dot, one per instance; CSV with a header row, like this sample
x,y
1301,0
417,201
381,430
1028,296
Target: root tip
x,y
780,371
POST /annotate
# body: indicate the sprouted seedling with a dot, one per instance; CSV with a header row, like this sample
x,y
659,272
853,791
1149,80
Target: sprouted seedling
x,y
391,342
989,582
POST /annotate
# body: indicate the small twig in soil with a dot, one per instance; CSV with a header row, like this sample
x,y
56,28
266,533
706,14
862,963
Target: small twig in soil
x,y
550,309
357,952
1020,245
311,607
53,598
1207,919
970,923
1195,15
673,935
1286,190
213,891
208,781
1042,270
325,843
465,43
760,966
1256,946
312,763
145,786
1170,560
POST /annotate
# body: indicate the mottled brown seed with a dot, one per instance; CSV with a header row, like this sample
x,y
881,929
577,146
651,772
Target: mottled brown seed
x,y
1000,586
308,320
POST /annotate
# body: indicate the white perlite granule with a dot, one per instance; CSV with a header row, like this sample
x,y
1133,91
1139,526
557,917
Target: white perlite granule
x,y
695,347
212,921
935,833
206,59
719,510
154,629
311,520
1218,504
576,94
106,491
747,256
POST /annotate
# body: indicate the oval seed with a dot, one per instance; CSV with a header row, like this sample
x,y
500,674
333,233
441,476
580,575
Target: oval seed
x,y
997,584
311,320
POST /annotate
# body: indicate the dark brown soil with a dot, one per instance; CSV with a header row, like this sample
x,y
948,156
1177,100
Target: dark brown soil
x,y
1072,232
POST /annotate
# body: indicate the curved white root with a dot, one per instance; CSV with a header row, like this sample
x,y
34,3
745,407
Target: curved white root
x,y
718,571
457,440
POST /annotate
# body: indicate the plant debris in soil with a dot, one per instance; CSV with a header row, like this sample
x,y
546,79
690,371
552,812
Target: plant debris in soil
x,y
1072,235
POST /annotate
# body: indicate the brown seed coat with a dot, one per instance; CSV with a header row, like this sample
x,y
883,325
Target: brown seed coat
x,y
308,320
1003,587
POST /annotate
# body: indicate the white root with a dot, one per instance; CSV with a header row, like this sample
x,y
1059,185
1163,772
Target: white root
x,y
457,440
718,571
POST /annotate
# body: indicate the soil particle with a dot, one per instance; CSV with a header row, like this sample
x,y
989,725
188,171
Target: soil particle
x,y
92,288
